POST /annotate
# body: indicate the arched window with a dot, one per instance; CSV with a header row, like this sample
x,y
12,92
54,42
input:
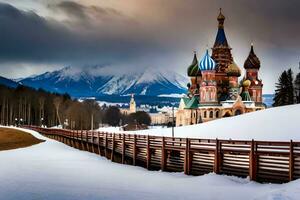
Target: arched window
x,y
211,114
238,112
207,95
205,115
217,114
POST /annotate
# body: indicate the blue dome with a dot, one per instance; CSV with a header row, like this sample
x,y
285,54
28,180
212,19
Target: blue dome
x,y
207,63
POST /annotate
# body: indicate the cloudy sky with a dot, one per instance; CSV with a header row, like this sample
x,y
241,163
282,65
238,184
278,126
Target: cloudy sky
x,y
44,35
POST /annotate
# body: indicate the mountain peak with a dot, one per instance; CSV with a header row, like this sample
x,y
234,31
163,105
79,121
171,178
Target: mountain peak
x,y
96,80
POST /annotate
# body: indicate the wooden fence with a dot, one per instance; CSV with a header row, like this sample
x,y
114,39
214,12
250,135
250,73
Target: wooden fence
x,y
262,161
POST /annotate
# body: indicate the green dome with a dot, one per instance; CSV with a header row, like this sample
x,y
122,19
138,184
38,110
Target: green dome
x,y
233,70
193,69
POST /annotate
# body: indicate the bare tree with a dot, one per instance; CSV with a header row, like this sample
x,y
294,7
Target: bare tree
x,y
57,101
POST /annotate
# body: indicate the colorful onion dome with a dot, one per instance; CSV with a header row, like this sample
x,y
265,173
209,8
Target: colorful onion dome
x,y
233,70
193,69
246,83
252,62
207,63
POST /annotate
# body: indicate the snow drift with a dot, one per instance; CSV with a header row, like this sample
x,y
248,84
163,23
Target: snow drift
x,y
52,170
280,123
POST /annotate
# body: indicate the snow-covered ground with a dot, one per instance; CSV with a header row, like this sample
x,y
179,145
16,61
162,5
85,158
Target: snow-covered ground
x,y
280,123
110,129
52,170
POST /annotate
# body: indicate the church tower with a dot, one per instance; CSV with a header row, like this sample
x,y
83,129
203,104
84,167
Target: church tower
x,y
221,53
195,75
208,88
252,66
132,106
233,73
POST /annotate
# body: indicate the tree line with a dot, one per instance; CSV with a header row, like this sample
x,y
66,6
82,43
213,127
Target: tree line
x,y
287,90
27,106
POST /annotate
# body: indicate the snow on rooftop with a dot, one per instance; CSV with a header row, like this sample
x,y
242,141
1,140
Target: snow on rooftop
x,y
52,170
279,123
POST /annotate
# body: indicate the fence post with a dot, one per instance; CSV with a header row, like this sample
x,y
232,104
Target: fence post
x,y
99,150
187,157
77,140
112,147
148,159
106,140
87,140
73,138
252,161
93,149
123,148
291,161
217,157
134,150
163,154
81,135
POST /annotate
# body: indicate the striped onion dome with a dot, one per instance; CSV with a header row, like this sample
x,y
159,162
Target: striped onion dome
x,y
207,63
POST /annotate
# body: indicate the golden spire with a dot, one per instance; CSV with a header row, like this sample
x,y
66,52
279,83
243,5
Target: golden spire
x,y
221,18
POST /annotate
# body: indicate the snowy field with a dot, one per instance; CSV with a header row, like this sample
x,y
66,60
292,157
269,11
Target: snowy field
x,y
52,170
273,124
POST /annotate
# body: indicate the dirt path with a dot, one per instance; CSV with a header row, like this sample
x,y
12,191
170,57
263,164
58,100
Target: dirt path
x,y
14,139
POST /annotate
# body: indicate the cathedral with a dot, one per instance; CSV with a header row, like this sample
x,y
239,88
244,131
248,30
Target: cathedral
x,y
215,90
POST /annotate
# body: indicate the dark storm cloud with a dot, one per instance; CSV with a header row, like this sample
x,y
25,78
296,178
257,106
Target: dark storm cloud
x,y
84,12
28,37
150,33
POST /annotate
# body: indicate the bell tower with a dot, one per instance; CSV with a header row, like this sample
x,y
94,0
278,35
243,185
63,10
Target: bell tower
x,y
221,53
132,106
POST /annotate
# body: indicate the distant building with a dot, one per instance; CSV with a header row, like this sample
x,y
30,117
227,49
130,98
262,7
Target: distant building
x,y
214,91
161,118
132,107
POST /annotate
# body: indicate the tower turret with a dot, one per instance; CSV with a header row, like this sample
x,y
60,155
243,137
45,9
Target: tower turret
x,y
252,66
132,106
194,70
208,88
233,72
221,53
194,73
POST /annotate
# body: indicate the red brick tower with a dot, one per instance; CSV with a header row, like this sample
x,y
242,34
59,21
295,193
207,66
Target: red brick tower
x,y
252,66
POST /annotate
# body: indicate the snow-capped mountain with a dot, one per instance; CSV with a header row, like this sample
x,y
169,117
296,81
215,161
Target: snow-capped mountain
x,y
8,82
97,81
